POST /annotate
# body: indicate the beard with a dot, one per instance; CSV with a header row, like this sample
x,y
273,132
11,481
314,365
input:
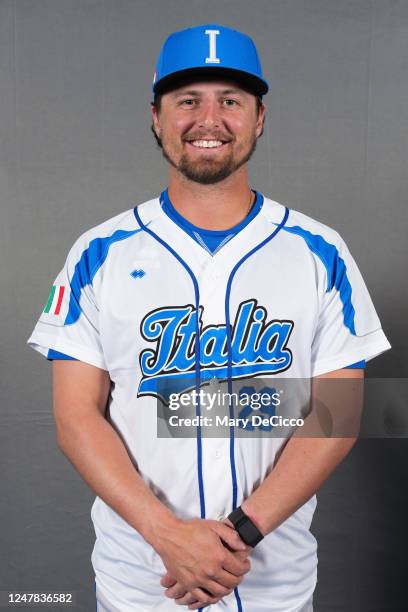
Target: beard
x,y
209,172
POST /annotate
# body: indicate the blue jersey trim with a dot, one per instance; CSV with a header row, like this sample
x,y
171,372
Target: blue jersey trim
x,y
89,263
336,270
358,364
57,355
197,353
211,240
229,366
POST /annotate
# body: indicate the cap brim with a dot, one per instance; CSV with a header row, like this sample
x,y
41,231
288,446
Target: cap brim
x,y
249,82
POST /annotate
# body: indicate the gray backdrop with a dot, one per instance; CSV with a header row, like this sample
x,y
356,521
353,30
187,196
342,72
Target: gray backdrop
x,y
76,149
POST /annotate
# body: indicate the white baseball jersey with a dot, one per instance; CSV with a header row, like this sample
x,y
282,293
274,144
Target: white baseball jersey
x,y
142,299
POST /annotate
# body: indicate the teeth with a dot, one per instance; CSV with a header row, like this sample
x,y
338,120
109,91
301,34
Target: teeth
x,y
207,144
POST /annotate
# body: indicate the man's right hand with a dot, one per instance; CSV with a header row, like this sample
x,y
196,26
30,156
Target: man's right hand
x,y
194,554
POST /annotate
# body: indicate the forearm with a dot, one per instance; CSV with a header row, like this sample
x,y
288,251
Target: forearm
x,y
302,468
96,450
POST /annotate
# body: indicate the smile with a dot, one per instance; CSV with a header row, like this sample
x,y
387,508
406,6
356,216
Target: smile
x,y
206,144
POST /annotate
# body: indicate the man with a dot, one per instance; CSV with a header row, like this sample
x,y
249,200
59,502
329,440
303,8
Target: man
x,y
211,280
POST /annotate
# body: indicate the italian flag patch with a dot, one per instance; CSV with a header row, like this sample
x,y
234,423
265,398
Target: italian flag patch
x,y
53,306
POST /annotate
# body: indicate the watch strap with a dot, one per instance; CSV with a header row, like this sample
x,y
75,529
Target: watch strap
x,y
247,530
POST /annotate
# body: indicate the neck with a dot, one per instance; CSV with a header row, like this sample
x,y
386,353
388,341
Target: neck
x,y
213,207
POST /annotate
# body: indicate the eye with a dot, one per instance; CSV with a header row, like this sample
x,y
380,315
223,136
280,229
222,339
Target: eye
x,y
230,102
188,102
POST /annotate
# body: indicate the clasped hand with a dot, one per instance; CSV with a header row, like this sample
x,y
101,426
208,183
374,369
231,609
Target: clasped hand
x,y
205,561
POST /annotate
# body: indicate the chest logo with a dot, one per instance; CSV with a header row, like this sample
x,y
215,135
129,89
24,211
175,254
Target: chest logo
x,y
138,273
258,347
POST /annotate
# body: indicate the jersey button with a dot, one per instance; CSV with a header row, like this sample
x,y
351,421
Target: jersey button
x,y
218,454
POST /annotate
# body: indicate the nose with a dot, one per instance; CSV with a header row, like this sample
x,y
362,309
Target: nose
x,y
209,114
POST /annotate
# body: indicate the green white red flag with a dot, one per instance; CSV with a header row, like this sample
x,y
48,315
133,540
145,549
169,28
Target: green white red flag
x,y
53,306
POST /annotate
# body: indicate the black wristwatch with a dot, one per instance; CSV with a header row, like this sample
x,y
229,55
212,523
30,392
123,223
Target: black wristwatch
x,y
247,530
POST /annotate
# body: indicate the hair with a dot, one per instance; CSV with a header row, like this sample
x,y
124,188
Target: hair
x,y
156,102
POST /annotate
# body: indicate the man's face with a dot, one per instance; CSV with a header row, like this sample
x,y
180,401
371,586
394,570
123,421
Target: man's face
x,y
208,129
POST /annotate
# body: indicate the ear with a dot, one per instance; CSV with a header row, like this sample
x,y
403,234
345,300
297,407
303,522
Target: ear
x,y
155,119
260,120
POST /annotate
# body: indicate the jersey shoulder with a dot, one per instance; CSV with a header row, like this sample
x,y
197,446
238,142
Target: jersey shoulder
x,y
298,223
112,230
308,226
323,245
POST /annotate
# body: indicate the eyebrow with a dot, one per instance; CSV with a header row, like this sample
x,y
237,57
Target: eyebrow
x,y
195,92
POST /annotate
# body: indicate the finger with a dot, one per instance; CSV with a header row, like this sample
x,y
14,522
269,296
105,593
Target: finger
x,y
245,551
224,579
216,586
168,580
199,606
229,536
186,600
203,598
237,567
242,554
175,591
227,522
238,553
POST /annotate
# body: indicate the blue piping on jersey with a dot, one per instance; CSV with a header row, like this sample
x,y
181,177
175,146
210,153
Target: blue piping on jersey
x,y
89,263
229,365
196,350
229,342
198,359
336,270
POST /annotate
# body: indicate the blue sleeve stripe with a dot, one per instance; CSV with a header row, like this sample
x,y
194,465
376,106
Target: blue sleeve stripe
x,y
336,270
89,263
358,364
57,355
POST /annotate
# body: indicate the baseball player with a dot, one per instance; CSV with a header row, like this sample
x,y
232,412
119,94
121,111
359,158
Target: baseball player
x,y
210,279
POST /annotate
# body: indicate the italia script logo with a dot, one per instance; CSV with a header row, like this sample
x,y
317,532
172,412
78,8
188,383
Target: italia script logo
x,y
258,346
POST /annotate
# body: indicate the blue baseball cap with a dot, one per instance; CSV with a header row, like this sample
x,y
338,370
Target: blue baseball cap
x,y
209,50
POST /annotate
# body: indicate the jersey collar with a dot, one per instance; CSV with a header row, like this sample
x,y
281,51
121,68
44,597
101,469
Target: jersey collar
x,y
263,224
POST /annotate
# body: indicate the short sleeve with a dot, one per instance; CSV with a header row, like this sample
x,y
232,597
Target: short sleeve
x,y
56,355
348,329
69,322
